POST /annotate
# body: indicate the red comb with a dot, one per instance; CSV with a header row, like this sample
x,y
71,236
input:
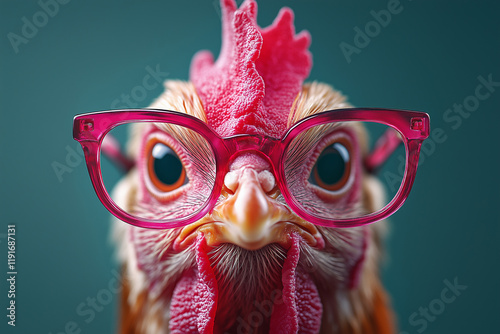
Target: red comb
x,y
252,85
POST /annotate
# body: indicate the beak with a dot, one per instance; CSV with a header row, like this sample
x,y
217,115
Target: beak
x,y
250,212
249,215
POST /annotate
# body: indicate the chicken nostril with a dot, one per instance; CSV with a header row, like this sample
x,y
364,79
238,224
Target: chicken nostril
x,y
231,181
266,180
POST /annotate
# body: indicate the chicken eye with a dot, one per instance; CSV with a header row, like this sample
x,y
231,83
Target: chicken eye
x,y
165,168
332,168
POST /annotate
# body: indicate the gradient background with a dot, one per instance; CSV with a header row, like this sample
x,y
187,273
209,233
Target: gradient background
x,y
428,58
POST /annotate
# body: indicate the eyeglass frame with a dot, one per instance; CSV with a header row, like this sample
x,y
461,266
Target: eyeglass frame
x,y
90,129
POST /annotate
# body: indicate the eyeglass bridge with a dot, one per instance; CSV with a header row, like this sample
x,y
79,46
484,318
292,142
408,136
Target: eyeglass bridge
x,y
258,143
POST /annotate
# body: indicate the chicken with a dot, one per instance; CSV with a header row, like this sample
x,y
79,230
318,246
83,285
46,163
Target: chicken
x,y
251,265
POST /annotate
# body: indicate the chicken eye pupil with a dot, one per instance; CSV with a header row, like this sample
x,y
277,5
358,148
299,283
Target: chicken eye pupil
x,y
166,165
331,167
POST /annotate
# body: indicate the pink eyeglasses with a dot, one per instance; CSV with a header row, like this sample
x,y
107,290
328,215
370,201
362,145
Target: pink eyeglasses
x,y
322,165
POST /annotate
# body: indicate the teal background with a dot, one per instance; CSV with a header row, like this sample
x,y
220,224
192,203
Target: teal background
x,y
427,58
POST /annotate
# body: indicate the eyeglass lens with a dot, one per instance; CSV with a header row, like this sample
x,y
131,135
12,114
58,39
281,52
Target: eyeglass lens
x,y
323,166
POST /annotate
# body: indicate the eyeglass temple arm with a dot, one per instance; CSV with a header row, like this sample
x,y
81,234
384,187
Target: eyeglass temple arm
x,y
384,147
112,150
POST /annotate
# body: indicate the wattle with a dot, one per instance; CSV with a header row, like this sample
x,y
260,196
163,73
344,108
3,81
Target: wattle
x,y
194,302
